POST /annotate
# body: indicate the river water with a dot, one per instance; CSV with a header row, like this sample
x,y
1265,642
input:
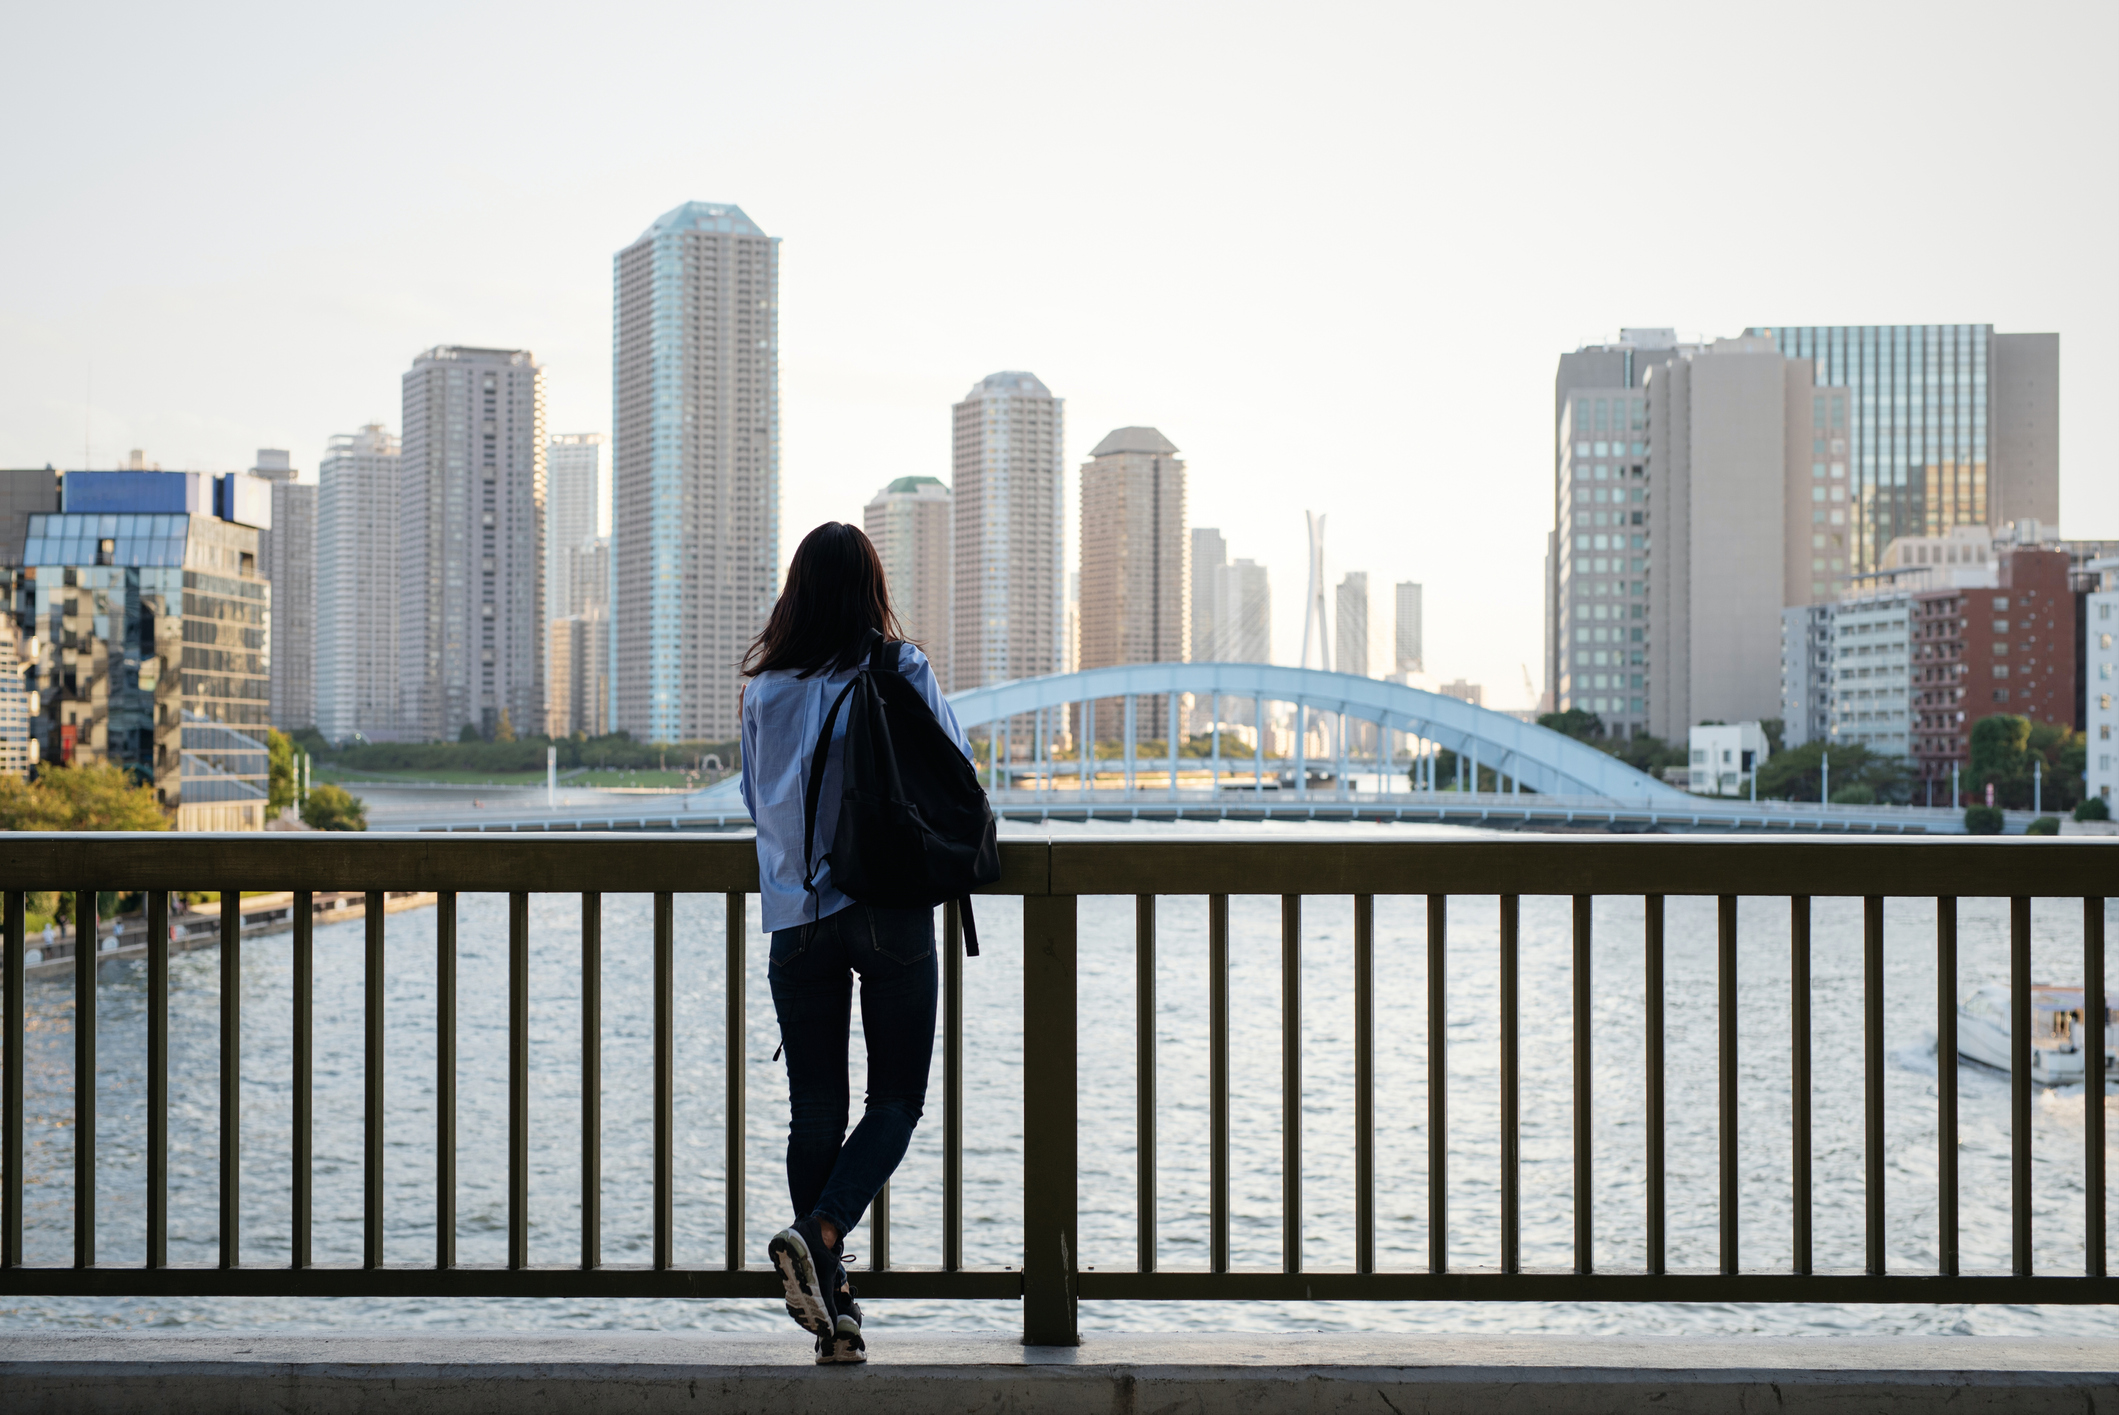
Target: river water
x,y
1107,1193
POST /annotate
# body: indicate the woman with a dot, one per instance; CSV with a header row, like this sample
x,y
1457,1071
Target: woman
x,y
812,644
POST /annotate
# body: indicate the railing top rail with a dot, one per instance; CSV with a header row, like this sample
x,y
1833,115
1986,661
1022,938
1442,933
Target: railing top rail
x,y
1311,864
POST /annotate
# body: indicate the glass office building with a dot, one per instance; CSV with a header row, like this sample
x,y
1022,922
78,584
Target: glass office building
x,y
155,656
1915,450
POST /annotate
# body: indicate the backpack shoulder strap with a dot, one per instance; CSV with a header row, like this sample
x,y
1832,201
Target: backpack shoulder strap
x,y
883,655
816,784
815,788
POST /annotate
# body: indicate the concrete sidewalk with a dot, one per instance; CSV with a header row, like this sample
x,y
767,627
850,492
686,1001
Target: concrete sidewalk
x,y
1132,1374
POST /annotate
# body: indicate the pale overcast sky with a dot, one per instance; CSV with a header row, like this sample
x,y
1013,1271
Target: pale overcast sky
x,y
1330,250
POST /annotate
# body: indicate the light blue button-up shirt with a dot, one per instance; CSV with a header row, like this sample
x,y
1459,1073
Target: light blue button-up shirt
x,y
782,715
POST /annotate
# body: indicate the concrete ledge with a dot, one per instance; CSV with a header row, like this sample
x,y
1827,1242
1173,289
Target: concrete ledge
x,y
647,1373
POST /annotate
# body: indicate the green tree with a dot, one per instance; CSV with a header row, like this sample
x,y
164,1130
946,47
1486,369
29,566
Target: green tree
x,y
2000,753
1646,753
334,808
1982,820
2093,808
2066,755
468,733
1574,722
98,797
280,782
1798,774
1775,730
2026,761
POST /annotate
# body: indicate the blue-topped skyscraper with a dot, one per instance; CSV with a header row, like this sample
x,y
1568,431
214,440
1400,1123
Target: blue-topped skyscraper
x,y
695,467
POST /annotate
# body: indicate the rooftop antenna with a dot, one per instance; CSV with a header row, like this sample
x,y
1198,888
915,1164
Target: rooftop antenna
x,y
1313,625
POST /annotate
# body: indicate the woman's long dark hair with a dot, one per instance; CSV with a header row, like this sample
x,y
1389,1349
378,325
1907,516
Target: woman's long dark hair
x,y
835,593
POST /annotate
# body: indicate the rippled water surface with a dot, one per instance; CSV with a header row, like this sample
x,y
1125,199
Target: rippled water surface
x,y
1107,1097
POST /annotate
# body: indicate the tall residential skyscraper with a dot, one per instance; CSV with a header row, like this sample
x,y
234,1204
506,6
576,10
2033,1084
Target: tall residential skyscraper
x,y
576,693
1232,604
1350,624
574,498
356,587
1135,583
471,562
586,569
1246,597
1947,425
911,523
1010,523
695,467
1406,655
1210,557
287,553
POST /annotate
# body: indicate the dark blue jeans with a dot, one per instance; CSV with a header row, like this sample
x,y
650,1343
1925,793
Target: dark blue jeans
x,y
831,1174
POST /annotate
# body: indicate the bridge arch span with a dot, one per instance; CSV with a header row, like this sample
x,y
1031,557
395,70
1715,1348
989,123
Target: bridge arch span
x,y
1540,759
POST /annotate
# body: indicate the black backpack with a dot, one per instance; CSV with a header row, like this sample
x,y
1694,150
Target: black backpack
x,y
915,829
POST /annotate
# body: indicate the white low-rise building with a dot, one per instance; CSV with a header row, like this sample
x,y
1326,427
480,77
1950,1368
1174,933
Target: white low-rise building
x,y
1724,757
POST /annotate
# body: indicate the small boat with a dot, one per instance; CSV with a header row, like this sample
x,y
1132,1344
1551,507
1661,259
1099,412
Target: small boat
x,y
2056,1021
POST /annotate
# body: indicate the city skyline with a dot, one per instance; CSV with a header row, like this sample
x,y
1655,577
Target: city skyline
x,y
907,282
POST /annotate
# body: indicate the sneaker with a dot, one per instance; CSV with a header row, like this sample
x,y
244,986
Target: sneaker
x,y
807,1271
844,1346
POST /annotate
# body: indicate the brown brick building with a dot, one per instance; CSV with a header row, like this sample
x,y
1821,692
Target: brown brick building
x,y
1981,651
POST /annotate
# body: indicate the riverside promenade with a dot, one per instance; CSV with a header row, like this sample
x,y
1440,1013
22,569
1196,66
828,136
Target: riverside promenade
x,y
97,1373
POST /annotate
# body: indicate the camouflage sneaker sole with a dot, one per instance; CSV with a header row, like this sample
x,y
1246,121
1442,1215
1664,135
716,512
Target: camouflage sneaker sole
x,y
844,1347
807,1301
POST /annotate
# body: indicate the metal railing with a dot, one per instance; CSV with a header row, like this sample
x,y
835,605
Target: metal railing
x,y
1051,877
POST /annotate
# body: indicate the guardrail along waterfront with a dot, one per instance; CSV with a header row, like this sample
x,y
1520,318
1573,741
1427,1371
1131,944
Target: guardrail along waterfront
x,y
1051,878
200,927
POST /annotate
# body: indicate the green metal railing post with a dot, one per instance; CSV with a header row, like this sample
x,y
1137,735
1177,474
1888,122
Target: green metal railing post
x,y
1050,1247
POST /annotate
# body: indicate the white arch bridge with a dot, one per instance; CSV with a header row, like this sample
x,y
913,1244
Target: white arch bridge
x,y
1408,726
1381,752
1387,772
